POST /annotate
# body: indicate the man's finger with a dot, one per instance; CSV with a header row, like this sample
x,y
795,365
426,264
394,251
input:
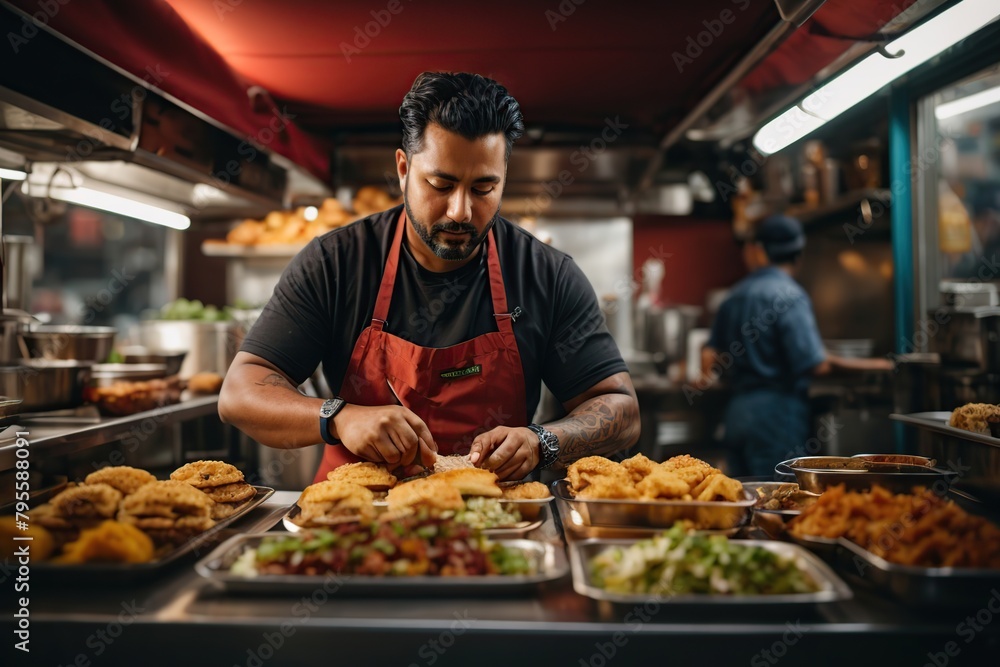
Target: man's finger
x,y
482,446
502,452
390,450
427,455
420,429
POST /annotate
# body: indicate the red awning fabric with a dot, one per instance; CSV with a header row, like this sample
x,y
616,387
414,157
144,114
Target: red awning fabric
x,y
151,41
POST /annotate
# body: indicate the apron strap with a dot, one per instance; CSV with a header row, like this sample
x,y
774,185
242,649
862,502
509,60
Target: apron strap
x,y
498,292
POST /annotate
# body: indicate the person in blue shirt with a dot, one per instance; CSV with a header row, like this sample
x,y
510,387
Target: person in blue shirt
x,y
766,344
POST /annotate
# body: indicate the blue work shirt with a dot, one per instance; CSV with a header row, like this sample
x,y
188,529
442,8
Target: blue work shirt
x,y
766,336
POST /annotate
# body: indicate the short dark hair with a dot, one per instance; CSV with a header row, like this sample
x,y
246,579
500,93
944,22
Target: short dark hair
x,y
468,104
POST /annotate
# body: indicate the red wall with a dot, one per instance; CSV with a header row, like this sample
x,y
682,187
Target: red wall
x,y
698,255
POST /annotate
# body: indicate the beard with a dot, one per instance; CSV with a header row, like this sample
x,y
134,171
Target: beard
x,y
444,246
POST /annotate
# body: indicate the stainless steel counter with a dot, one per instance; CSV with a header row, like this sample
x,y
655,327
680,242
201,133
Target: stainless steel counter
x,y
180,619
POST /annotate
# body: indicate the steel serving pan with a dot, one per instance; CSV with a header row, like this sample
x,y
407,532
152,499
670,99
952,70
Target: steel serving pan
x,y
549,560
708,515
905,459
69,341
832,588
816,473
124,573
517,531
968,588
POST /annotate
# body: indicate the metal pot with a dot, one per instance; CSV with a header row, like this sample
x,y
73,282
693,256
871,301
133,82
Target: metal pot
x,y
105,375
970,337
666,330
173,360
210,346
70,341
44,384
16,276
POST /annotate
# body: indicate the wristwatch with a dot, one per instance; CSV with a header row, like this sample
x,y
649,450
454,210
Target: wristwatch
x,y
327,412
548,446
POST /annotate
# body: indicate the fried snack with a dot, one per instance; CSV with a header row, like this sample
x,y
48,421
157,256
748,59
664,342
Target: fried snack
x,y
639,466
42,541
246,233
718,487
110,541
526,491
427,492
685,461
693,475
372,476
452,462
230,493
662,484
168,499
471,481
201,474
124,478
593,469
205,383
920,529
609,489
61,529
331,502
222,511
165,532
90,501
975,417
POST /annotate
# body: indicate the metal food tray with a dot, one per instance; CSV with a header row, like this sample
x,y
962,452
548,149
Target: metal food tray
x,y
938,422
121,573
656,514
919,586
510,532
550,563
832,588
903,480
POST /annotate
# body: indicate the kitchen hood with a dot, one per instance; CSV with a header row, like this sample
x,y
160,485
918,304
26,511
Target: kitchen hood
x,y
71,120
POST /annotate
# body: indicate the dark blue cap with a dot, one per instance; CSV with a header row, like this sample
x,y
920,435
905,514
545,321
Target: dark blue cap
x,y
780,235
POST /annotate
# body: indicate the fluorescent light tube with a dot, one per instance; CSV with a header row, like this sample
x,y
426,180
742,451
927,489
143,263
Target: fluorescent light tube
x,y
12,175
121,206
785,130
964,104
871,74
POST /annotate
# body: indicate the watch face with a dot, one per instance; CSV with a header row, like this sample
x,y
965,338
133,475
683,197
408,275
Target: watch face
x,y
327,408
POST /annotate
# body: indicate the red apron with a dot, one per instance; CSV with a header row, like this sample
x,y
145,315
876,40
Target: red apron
x,y
458,391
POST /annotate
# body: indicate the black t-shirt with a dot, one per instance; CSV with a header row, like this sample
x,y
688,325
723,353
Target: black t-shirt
x,y
326,297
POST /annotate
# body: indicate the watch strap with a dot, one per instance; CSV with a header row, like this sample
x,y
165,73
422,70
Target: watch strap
x,y
330,408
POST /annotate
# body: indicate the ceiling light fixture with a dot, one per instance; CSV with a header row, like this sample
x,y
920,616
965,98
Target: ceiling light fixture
x,y
12,175
874,72
121,206
968,103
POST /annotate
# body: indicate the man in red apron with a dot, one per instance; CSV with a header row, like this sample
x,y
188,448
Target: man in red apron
x,y
437,320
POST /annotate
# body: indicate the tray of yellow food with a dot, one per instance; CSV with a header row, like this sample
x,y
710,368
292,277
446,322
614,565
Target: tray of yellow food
x,y
978,422
424,553
920,548
639,493
122,524
680,568
471,496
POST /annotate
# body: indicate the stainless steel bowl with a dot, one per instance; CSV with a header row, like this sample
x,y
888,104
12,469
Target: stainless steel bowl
x,y
817,473
105,375
172,359
44,384
69,341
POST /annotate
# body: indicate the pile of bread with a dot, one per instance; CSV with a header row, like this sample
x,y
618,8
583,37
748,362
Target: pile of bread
x,y
124,514
295,228
980,418
640,478
349,493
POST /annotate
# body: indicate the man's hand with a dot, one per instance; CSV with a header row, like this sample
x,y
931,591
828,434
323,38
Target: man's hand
x,y
385,433
509,452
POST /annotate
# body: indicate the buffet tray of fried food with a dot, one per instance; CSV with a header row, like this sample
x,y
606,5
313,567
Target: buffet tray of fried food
x,y
469,495
425,553
919,547
817,473
679,567
978,422
641,494
122,524
776,504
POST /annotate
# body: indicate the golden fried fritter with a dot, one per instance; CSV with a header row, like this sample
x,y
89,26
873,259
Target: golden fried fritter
x,y
124,478
639,466
425,492
609,489
111,541
590,469
222,511
452,462
684,461
230,493
693,475
201,474
372,476
91,501
471,481
167,499
662,484
718,487
975,417
526,491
